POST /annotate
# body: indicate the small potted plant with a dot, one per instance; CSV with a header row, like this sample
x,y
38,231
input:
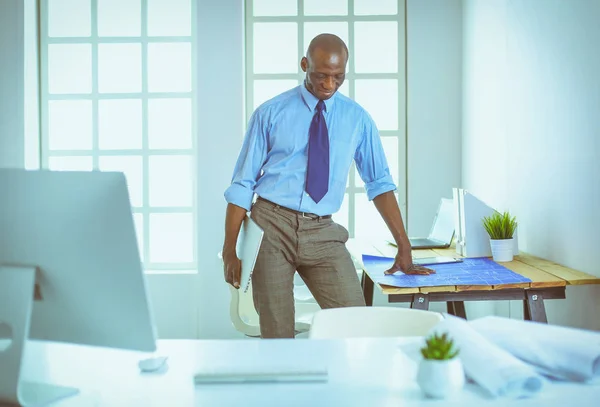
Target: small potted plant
x,y
440,374
501,228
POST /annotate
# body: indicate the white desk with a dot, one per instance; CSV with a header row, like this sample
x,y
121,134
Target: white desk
x,y
363,372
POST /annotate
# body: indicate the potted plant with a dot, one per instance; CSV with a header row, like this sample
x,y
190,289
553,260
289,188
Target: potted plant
x,y
440,374
501,228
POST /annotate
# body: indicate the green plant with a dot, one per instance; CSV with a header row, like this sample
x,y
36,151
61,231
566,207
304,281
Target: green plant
x,y
439,347
500,225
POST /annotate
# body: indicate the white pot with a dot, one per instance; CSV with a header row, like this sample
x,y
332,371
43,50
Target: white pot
x,y
502,249
441,378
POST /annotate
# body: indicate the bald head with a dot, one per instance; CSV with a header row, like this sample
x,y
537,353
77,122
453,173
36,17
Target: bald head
x,y
328,44
325,65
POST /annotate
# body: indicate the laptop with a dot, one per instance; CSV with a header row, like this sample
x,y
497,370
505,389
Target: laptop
x,y
442,230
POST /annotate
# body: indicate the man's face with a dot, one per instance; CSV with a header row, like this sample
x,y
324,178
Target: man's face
x,y
325,73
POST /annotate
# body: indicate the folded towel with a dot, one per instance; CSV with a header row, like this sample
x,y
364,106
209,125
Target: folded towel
x,y
491,367
560,352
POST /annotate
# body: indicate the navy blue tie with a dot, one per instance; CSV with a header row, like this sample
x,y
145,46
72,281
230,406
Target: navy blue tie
x,y
317,176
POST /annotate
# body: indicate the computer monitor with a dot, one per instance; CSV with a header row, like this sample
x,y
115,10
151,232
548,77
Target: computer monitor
x,y
68,239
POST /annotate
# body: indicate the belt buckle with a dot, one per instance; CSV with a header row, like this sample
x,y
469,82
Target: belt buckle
x,y
307,217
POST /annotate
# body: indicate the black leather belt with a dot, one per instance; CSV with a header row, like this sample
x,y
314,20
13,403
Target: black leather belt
x,y
303,214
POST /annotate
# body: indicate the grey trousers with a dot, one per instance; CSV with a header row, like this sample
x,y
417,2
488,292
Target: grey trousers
x,y
316,248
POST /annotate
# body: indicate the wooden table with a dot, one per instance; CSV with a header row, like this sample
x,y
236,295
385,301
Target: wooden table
x,y
548,281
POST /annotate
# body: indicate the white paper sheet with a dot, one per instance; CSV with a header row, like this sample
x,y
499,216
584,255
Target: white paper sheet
x,y
560,352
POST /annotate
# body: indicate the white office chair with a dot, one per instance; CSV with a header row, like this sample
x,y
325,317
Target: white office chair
x,y
245,319
357,322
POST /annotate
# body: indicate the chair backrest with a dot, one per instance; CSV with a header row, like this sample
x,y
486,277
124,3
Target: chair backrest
x,y
355,322
242,312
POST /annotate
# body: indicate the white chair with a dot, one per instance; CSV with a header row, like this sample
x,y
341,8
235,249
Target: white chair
x,y
357,322
245,319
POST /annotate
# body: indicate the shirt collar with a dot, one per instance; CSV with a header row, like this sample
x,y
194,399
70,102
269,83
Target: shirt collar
x,y
311,100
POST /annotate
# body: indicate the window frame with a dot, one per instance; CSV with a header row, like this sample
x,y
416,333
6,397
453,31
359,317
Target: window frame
x,y
354,186
145,152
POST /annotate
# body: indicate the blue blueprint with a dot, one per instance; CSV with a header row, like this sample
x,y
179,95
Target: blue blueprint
x,y
472,271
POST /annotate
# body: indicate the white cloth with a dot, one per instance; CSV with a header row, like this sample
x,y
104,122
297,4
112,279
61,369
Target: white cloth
x,y
491,367
560,352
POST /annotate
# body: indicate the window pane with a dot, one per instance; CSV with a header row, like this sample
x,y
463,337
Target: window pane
x,y
376,46
171,180
275,7
69,18
119,68
69,68
276,48
171,238
131,166
375,7
170,67
390,147
70,163
311,30
380,98
367,220
119,18
268,88
120,124
345,88
169,18
70,125
170,123
325,8
341,216
138,219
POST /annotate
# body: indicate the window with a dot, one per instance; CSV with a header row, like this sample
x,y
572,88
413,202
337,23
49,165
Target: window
x,y
374,33
117,94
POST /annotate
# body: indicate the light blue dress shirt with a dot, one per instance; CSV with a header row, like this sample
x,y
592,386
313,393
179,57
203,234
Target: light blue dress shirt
x,y
273,159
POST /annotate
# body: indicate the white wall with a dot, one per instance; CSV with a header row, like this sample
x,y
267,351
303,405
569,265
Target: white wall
x,y
434,72
531,139
221,125
11,84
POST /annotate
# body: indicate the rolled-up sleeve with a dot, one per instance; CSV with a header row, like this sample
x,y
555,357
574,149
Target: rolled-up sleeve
x,y
371,162
249,163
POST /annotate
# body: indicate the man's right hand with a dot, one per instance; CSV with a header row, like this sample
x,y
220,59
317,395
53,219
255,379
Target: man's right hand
x,y
232,267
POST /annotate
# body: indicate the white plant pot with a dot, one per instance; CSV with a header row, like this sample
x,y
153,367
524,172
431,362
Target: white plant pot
x,y
502,249
441,378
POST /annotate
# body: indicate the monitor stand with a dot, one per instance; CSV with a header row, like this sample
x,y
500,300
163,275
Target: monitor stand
x,y
17,289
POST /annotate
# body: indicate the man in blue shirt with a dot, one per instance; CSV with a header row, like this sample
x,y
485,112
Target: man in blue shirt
x,y
296,157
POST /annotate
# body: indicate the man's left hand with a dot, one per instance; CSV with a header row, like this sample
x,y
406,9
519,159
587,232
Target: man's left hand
x,y
403,262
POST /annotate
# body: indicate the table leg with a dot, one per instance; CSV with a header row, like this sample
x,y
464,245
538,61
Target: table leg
x,y
420,301
456,308
368,288
533,307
